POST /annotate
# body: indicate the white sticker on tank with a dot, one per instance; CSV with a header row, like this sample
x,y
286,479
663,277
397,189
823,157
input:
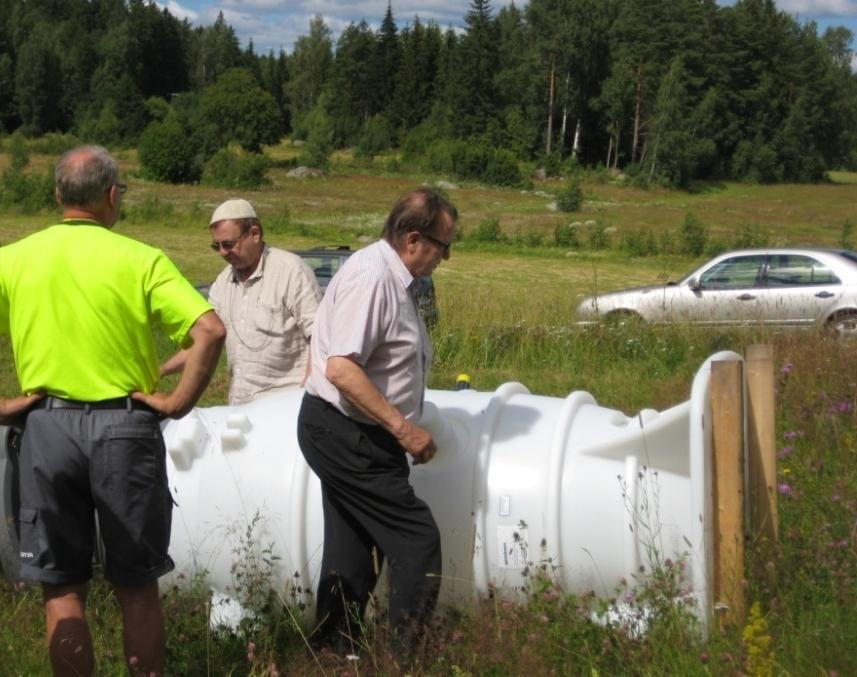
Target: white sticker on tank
x,y
505,505
512,545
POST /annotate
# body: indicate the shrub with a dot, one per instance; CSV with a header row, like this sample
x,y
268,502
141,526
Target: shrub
x,y
502,169
375,137
439,157
693,236
101,126
27,192
598,237
640,243
570,198
552,164
319,144
232,168
488,231
470,158
167,154
565,235
748,237
531,239
54,143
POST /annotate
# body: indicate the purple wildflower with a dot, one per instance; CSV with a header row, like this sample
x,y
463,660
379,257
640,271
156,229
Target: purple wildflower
x,y
785,489
844,407
787,368
792,434
785,452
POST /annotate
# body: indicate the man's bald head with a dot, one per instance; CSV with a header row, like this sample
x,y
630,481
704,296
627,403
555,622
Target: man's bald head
x,y
83,176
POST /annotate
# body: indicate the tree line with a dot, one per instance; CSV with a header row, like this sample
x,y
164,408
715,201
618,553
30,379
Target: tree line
x,y
668,91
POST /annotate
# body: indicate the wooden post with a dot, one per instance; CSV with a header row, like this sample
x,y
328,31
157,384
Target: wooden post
x,y
727,463
761,443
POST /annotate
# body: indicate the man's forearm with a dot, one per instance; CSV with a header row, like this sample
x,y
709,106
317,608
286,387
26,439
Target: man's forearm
x,y
352,381
208,335
175,364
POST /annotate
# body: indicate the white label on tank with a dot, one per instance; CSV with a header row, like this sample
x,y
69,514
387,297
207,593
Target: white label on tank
x,y
505,505
512,545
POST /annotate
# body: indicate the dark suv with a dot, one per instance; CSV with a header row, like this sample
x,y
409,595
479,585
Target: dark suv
x,y
325,261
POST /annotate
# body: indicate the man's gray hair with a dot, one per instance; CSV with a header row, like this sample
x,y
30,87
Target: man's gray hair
x,y
420,211
83,175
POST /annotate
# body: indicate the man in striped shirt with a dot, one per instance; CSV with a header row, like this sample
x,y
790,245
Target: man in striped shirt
x,y
370,355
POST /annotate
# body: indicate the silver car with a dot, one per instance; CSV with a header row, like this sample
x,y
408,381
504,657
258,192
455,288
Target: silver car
x,y
772,287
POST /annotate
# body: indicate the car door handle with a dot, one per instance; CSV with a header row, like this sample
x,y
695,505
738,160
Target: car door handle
x,y
746,297
825,294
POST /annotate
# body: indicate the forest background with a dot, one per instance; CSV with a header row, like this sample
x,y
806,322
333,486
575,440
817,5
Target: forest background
x,y
671,92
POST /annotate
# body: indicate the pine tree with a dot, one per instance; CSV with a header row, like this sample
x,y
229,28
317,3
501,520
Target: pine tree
x,y
311,64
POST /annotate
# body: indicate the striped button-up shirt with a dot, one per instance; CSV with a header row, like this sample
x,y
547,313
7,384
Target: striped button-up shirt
x,y
369,314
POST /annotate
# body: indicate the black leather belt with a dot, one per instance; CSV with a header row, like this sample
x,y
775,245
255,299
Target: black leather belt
x,y
126,403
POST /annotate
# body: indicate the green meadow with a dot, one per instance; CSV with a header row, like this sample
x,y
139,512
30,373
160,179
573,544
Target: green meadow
x,y
506,313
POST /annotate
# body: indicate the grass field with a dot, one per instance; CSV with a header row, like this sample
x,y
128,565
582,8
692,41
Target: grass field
x,y
506,313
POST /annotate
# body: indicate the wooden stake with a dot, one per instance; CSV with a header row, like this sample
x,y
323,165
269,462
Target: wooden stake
x,y
727,394
761,443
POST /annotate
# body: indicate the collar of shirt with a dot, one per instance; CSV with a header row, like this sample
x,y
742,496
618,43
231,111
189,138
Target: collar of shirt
x,y
260,269
400,271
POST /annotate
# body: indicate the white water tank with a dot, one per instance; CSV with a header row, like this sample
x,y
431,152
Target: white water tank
x,y
518,480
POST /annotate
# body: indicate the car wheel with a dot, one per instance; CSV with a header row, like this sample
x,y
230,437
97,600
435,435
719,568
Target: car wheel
x,y
844,324
625,318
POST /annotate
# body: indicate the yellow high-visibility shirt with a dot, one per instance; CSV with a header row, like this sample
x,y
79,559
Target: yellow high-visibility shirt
x,y
81,302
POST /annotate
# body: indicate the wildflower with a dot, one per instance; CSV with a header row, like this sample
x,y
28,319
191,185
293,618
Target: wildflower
x,y
703,657
785,489
844,407
759,644
133,661
785,452
793,434
787,368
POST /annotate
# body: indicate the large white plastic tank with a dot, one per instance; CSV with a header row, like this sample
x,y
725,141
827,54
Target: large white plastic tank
x,y
518,480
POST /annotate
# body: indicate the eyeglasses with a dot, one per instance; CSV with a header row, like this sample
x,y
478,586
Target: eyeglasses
x,y
123,188
440,243
228,245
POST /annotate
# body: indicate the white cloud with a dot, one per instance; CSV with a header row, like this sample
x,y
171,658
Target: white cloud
x,y
819,8
178,11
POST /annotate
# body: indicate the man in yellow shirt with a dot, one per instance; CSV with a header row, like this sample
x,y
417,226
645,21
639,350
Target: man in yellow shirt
x,y
80,303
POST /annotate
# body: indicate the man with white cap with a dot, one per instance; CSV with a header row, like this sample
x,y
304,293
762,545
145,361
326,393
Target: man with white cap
x,y
267,299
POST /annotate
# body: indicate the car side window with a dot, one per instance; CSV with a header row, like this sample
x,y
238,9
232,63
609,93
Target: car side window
x,y
793,270
737,272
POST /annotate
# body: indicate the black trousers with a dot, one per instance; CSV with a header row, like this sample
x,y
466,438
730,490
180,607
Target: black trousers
x,y
368,504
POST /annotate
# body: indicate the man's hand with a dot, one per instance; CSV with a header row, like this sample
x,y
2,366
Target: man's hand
x,y
418,442
163,403
12,408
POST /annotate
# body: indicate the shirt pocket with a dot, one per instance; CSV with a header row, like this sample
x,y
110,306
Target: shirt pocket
x,y
268,320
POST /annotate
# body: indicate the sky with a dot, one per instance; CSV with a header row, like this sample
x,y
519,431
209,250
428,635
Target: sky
x,y
276,24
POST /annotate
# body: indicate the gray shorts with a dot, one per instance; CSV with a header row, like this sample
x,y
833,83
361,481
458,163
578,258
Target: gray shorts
x,y
77,464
